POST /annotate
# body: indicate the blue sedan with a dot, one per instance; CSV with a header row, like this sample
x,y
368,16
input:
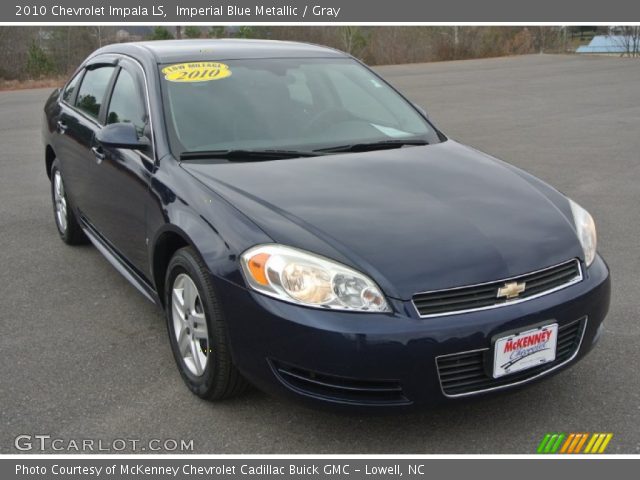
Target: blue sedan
x,y
308,230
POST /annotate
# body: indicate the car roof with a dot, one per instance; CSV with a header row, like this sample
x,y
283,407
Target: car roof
x,y
168,51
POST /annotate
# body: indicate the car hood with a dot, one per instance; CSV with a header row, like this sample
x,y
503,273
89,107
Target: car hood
x,y
414,219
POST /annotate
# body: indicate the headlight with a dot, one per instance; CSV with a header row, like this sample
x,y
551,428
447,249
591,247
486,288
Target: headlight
x,y
586,229
299,277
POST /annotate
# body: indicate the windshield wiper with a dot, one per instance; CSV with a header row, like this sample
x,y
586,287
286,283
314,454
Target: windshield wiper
x,y
367,147
241,155
246,155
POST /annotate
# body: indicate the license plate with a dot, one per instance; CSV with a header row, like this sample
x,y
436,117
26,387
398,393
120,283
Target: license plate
x,y
520,351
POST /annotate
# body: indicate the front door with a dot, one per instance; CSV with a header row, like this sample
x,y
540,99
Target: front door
x,y
120,184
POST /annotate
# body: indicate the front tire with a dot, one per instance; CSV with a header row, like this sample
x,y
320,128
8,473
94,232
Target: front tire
x,y
66,221
197,329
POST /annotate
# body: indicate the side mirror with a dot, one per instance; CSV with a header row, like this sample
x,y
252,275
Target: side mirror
x,y
421,110
121,135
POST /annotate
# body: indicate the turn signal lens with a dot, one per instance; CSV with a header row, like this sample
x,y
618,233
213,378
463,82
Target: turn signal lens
x,y
304,278
257,266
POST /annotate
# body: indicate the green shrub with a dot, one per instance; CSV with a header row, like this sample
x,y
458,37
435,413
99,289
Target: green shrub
x,y
161,33
38,62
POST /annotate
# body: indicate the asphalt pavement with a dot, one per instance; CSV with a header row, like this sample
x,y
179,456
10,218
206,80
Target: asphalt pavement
x,y
83,355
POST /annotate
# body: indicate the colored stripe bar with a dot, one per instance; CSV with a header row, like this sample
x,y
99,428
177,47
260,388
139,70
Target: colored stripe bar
x,y
574,444
598,443
543,443
599,440
567,443
581,442
606,441
551,443
590,444
556,446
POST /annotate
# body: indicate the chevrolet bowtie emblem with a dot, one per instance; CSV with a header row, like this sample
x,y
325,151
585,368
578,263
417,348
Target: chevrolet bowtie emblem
x,y
511,290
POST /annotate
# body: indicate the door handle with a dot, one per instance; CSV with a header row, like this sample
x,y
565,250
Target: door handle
x,y
62,127
98,153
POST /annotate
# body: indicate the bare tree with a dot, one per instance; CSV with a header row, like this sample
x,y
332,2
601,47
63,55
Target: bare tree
x,y
354,40
628,38
549,39
64,47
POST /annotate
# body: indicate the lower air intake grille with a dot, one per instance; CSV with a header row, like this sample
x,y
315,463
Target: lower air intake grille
x,y
466,373
340,389
462,299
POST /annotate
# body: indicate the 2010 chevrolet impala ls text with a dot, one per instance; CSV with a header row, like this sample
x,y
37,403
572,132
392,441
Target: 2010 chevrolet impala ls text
x,y
308,230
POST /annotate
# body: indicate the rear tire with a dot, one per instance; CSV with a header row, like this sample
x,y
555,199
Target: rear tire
x,y
197,329
64,215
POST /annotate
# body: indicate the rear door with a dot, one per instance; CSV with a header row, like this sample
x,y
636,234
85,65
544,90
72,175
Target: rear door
x,y
67,149
77,124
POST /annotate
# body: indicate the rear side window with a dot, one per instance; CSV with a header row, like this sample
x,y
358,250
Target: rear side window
x,y
72,86
126,104
92,90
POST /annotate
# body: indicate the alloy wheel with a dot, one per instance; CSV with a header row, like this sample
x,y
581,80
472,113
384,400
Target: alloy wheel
x,y
60,201
190,324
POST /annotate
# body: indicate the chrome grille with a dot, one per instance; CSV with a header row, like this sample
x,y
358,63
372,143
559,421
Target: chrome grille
x,y
466,373
478,297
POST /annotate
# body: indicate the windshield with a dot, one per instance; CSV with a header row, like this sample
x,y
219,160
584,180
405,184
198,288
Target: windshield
x,y
294,104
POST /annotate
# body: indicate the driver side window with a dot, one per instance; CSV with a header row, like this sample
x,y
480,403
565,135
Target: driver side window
x,y
92,90
127,105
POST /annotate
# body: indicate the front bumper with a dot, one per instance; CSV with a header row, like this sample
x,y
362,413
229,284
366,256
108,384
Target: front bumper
x,y
383,360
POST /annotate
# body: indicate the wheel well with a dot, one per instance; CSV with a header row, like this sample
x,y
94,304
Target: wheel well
x,y
49,157
167,244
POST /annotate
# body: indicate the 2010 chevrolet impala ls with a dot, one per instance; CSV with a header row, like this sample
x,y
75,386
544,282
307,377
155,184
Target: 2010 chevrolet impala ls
x,y
308,230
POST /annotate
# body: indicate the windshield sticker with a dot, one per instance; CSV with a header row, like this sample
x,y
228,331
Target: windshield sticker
x,y
196,72
391,132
